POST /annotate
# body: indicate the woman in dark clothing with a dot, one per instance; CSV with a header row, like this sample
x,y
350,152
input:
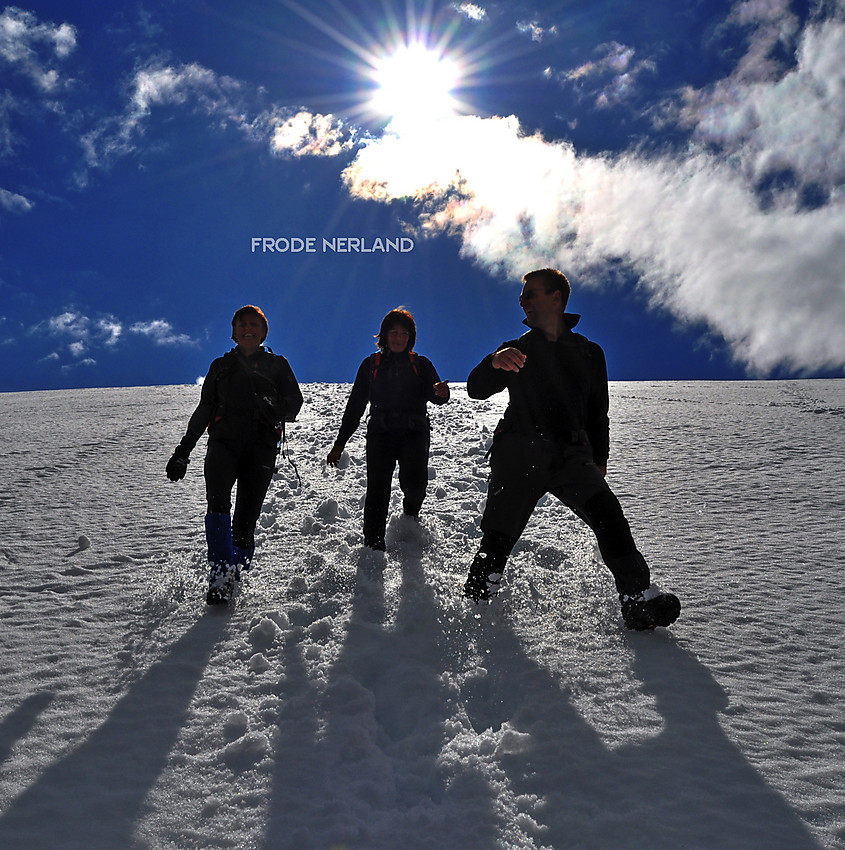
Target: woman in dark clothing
x,y
246,398
397,383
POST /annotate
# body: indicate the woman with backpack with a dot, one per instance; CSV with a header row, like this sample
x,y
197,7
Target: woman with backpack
x,y
246,398
397,383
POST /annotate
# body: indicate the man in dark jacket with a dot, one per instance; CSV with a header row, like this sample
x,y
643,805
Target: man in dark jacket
x,y
554,438
246,398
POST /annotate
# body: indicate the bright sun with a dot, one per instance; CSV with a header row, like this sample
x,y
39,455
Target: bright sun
x,y
414,85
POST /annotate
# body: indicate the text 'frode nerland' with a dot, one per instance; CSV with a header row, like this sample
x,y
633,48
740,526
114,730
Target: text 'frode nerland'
x,y
335,245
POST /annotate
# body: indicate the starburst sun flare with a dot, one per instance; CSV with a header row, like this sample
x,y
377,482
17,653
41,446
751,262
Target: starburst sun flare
x,y
414,84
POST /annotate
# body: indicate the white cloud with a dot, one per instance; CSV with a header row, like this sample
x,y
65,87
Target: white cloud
x,y
33,51
796,121
472,11
192,86
691,228
12,202
64,38
306,133
163,86
612,77
107,331
24,41
174,85
772,24
617,59
70,323
77,327
161,332
111,329
86,361
535,30
78,348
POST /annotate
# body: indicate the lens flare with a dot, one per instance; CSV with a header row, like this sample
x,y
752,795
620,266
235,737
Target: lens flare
x,y
414,85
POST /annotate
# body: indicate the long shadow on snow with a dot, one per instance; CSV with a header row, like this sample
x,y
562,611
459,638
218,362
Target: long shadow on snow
x,y
689,786
91,798
21,720
372,781
304,804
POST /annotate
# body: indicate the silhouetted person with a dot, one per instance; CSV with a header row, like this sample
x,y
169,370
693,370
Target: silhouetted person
x,y
554,438
398,383
246,398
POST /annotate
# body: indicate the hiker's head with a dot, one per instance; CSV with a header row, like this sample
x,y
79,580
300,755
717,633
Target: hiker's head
x,y
398,331
249,327
551,280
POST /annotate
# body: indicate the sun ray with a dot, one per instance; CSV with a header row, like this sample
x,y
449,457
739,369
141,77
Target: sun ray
x,y
414,84
421,49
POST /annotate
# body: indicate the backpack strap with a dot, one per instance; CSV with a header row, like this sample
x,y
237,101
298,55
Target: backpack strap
x,y
375,360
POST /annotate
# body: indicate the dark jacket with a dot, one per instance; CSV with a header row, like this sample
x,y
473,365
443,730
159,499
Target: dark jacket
x,y
560,394
245,397
397,387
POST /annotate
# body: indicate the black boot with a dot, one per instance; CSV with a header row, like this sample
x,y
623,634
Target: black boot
x,y
487,567
650,609
375,542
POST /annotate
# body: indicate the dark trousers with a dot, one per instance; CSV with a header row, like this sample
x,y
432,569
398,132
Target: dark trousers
x,y
523,469
251,465
384,450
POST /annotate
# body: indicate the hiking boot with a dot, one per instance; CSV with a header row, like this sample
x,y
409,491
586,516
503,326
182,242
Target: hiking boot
x,y
648,610
482,584
488,566
376,543
221,583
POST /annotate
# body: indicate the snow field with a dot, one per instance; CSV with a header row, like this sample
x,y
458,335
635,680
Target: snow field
x,y
353,699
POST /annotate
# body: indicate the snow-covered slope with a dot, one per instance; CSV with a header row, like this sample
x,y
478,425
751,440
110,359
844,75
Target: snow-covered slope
x,y
353,700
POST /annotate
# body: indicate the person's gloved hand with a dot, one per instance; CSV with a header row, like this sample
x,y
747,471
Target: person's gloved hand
x,y
334,456
178,464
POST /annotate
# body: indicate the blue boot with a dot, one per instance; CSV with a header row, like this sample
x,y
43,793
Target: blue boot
x,y
221,572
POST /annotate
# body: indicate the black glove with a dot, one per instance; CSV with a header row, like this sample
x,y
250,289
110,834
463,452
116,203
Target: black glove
x,y
178,464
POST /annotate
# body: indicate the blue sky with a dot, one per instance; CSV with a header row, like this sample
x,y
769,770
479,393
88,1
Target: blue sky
x,y
682,162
